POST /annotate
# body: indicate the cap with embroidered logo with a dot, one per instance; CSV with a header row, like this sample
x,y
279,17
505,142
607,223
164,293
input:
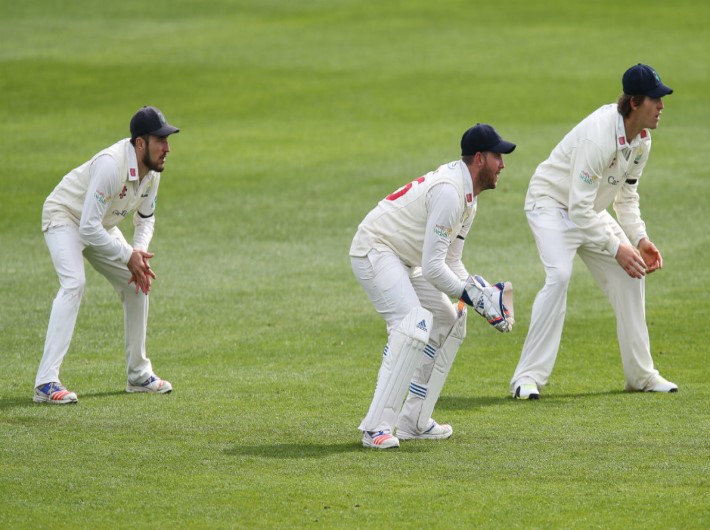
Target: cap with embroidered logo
x,y
642,80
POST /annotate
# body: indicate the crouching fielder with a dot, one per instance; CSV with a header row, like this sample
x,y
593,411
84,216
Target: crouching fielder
x,y
407,256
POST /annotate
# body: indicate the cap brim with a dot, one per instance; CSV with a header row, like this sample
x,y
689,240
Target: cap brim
x,y
660,91
165,130
502,147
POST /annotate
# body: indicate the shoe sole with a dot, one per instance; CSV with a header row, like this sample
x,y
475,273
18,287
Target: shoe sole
x,y
38,399
143,390
408,436
530,396
380,447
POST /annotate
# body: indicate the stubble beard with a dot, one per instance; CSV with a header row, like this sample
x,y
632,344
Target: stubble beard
x,y
147,162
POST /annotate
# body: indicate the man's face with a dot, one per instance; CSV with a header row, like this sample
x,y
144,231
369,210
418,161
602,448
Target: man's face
x,y
156,150
492,166
649,112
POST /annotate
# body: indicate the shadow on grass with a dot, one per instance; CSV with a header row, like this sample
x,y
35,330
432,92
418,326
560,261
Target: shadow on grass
x,y
26,402
552,397
314,450
293,450
465,403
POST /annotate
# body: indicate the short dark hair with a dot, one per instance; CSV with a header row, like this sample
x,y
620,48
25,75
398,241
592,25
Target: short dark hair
x,y
623,104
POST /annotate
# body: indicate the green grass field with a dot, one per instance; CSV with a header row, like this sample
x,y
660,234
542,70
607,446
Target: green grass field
x,y
297,117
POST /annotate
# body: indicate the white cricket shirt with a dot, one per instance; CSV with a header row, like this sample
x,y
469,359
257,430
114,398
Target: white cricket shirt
x,y
101,193
592,168
425,223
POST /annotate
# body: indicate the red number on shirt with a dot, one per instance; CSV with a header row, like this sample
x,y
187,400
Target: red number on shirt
x,y
404,189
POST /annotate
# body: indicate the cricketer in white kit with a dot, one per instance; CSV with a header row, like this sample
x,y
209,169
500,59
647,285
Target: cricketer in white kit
x,y
407,254
598,164
79,220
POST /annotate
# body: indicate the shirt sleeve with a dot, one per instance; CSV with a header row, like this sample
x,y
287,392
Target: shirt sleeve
x,y
587,169
444,212
627,205
104,183
455,254
144,219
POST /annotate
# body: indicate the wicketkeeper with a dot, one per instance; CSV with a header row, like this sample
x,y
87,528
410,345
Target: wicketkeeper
x,y
407,256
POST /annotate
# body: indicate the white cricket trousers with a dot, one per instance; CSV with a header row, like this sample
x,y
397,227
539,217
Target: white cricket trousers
x,y
68,253
395,290
558,240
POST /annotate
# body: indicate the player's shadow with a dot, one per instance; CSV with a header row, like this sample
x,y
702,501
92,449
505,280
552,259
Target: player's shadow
x,y
291,450
467,402
312,450
26,402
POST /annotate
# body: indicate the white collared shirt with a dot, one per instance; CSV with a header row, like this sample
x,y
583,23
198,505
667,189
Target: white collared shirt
x,y
592,168
101,193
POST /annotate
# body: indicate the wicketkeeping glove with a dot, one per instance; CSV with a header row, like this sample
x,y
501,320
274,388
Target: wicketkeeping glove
x,y
492,302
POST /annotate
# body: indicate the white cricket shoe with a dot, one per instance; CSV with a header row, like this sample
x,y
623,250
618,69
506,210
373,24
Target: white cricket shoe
x,y
54,393
379,439
527,391
659,384
154,385
434,432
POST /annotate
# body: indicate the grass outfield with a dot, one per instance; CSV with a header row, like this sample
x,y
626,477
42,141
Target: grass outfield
x,y
297,117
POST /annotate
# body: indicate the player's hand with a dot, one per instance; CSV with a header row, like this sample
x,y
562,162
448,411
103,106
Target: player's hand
x,y
631,261
141,273
650,255
488,301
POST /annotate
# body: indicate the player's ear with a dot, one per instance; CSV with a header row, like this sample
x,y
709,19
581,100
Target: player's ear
x,y
141,142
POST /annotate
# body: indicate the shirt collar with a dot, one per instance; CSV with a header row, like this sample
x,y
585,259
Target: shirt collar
x,y
621,141
467,182
132,162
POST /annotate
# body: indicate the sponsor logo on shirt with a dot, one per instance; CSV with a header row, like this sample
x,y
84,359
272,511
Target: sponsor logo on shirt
x,y
611,180
585,177
124,213
443,231
101,197
123,192
639,155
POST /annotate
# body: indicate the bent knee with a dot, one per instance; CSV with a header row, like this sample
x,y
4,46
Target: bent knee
x,y
72,288
558,277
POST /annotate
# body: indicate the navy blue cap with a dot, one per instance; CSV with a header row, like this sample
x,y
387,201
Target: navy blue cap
x,y
149,120
482,137
642,80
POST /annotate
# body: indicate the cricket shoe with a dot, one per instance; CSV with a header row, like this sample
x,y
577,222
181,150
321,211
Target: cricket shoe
x,y
434,432
527,391
54,393
661,385
379,439
154,385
